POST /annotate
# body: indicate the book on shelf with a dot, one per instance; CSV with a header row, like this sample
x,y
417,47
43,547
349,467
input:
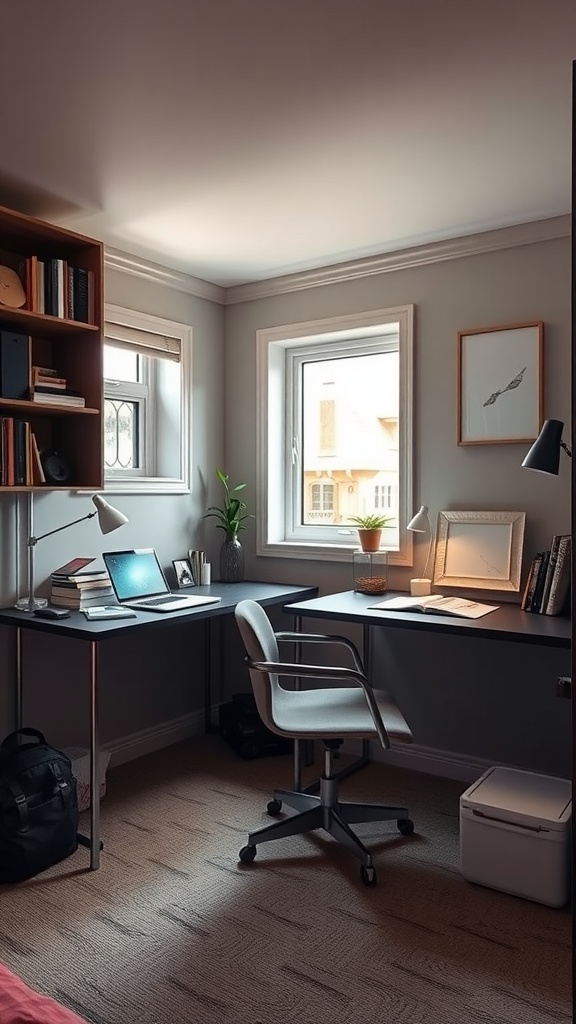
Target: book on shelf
x,y
437,604
560,585
548,581
49,397
531,581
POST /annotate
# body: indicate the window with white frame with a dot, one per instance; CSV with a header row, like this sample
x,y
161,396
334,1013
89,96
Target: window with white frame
x,y
146,402
335,412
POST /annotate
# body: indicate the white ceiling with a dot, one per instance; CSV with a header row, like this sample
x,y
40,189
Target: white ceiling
x,y
239,140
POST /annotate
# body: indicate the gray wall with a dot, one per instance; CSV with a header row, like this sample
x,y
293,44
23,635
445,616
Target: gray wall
x,y
490,701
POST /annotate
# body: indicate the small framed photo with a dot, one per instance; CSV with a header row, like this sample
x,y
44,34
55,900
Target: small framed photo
x,y
500,384
183,573
479,550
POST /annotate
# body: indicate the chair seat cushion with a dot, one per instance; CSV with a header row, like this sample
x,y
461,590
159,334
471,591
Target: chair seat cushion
x,y
335,712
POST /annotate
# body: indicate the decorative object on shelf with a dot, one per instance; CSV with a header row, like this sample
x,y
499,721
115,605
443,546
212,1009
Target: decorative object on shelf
x,y
11,289
420,523
370,529
183,573
56,468
479,550
500,384
370,570
230,515
544,455
109,519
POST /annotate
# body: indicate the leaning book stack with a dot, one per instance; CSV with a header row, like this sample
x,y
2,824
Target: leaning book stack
x,y
547,589
81,590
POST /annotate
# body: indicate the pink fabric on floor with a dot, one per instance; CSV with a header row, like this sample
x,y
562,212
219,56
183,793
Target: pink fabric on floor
x,y
20,1004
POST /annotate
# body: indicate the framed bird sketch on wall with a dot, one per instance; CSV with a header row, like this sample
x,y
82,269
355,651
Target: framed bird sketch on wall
x,y
500,384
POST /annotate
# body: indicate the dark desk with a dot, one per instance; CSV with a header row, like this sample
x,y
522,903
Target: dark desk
x,y
508,622
79,628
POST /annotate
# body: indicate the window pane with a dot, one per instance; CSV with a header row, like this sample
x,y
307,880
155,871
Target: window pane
x,y
350,451
120,434
120,364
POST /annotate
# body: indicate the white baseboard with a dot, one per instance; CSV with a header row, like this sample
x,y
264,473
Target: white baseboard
x,y
420,759
147,741
446,763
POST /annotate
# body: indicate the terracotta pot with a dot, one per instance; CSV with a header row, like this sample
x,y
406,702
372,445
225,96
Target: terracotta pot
x,y
370,539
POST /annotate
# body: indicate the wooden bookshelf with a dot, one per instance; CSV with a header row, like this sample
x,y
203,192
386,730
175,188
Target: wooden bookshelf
x,y
72,347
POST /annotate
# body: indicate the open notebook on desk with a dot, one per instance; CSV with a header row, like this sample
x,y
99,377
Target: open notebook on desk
x,y
437,604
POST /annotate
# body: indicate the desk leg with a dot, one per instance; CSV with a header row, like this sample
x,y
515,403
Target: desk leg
x,y
298,744
18,678
94,842
207,676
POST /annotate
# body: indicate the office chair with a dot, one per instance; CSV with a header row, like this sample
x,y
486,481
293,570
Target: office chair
x,y
330,715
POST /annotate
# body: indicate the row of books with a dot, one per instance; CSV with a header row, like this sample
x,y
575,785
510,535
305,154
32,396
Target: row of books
x,y
547,587
58,289
82,589
20,461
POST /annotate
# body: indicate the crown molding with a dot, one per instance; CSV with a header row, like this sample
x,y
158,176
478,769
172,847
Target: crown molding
x,y
404,259
385,263
136,266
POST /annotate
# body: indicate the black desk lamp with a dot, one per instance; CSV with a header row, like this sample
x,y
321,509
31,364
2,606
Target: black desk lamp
x,y
544,455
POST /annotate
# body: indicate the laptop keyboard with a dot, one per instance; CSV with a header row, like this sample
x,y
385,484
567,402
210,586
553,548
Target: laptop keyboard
x,y
152,601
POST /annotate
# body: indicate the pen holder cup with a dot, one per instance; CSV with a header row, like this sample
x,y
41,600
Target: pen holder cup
x,y
370,570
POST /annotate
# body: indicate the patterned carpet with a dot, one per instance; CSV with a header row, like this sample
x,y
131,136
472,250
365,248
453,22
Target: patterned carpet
x,y
173,929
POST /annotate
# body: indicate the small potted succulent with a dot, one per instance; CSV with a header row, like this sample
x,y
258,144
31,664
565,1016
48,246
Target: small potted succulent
x,y
370,529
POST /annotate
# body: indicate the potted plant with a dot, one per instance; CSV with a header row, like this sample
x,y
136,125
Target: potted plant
x,y
230,516
370,530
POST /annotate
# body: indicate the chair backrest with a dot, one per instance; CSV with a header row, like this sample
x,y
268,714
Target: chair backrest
x,y
260,643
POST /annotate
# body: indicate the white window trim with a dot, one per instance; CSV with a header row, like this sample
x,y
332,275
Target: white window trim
x,y
271,417
171,329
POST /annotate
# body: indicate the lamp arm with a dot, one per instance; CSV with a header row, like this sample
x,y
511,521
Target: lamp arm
x,y
566,448
426,576
32,541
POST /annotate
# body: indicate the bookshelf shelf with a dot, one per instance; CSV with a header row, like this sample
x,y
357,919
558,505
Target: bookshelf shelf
x,y
71,348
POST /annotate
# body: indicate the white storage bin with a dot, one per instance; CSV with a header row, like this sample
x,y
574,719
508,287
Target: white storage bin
x,y
515,834
80,758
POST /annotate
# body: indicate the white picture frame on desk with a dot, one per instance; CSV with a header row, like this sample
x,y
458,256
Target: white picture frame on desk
x,y
479,550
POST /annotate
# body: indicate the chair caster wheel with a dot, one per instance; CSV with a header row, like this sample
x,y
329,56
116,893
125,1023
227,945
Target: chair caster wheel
x,y
368,875
247,854
405,826
274,807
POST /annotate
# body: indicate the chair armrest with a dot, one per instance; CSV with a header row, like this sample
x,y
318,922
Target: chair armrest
x,y
283,668
323,638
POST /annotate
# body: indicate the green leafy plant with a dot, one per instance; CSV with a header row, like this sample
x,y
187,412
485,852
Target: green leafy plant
x,y
232,512
371,522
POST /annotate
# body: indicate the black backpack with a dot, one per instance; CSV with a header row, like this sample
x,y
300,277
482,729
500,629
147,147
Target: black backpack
x,y
38,806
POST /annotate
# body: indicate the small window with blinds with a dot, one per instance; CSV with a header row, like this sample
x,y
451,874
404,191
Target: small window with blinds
x,y
146,402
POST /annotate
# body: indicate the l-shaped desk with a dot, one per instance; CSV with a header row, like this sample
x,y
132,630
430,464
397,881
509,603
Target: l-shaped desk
x,y
79,628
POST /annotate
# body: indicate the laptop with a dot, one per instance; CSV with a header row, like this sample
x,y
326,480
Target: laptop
x,y
139,582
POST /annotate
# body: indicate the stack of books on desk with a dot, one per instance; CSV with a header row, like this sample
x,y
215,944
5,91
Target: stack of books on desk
x,y
81,590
